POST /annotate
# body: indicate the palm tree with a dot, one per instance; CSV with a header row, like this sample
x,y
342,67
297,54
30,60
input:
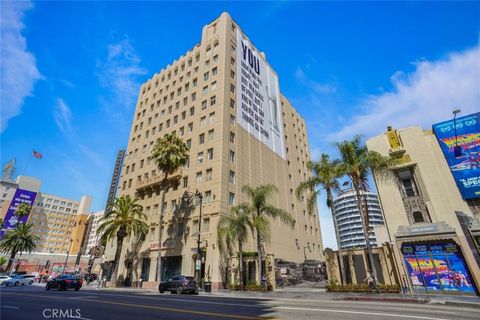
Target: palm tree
x,y
260,210
17,240
22,210
233,227
170,153
357,162
125,216
325,176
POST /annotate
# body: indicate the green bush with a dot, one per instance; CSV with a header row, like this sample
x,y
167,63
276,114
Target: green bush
x,y
385,288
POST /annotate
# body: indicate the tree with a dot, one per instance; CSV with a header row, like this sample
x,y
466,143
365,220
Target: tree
x,y
170,153
357,162
260,211
125,216
22,210
20,239
3,260
233,227
325,175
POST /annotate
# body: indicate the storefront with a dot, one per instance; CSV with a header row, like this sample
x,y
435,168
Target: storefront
x,y
437,266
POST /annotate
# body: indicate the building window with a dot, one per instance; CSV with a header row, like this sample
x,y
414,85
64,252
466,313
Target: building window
x,y
200,157
206,221
407,182
201,138
213,100
231,177
198,177
195,227
203,121
212,117
209,154
205,76
185,182
213,86
210,135
189,143
214,71
207,198
232,156
192,111
232,120
232,137
231,198
418,217
204,105
208,175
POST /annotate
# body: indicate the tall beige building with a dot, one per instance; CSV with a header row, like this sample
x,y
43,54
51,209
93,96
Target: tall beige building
x,y
222,98
60,223
431,226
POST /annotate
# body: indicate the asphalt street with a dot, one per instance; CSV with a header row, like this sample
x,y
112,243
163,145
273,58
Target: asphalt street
x,y
22,303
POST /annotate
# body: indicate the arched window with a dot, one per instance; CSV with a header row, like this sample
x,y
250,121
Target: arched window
x,y
418,217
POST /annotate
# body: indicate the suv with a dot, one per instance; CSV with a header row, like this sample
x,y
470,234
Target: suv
x,y
179,284
67,281
4,278
19,279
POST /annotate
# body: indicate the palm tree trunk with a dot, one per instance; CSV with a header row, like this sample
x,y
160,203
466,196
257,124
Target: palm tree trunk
x,y
343,273
10,261
240,262
118,252
259,259
162,209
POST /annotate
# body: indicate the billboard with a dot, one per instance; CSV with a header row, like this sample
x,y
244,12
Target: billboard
x,y
11,220
437,267
258,97
466,167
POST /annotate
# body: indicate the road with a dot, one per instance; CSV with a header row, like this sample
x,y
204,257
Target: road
x,y
30,302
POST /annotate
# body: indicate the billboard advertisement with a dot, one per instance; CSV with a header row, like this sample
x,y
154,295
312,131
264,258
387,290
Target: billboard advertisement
x,y
465,167
259,108
437,267
11,220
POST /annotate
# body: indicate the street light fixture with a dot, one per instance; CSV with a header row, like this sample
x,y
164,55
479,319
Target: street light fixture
x,y
199,262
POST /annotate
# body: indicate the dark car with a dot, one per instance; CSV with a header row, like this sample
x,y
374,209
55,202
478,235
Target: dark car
x,y
67,281
179,284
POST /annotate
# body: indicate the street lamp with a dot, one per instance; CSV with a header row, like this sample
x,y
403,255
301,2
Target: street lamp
x,y
198,261
457,150
66,260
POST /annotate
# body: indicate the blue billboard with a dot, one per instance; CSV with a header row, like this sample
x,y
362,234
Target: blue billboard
x,y
465,167
11,220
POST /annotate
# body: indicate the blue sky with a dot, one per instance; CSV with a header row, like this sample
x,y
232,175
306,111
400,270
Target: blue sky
x,y
70,73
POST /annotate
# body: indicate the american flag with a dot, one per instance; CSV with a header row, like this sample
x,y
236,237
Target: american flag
x,y
36,154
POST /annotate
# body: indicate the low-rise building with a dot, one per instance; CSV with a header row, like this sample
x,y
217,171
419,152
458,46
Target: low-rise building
x,y
427,220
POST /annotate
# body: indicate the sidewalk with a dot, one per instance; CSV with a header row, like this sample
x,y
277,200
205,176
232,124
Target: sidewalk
x,y
318,294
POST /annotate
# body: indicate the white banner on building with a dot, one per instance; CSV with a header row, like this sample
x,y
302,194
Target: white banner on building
x,y
258,97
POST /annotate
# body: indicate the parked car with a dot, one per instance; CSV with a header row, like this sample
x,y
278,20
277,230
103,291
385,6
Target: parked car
x,y
3,279
19,280
179,284
67,281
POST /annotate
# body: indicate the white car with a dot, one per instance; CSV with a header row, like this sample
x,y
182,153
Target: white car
x,y
19,280
3,279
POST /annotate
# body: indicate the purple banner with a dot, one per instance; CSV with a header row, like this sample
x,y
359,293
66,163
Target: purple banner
x,y
11,220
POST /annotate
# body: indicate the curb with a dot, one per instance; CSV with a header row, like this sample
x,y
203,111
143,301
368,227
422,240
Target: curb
x,y
383,299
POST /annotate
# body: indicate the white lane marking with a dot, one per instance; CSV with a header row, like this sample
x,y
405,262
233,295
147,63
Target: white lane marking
x,y
361,312
11,307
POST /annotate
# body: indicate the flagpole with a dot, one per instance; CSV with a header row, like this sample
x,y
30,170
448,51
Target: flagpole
x,y
26,165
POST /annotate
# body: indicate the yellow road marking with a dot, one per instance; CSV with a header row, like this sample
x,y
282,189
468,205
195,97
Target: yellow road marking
x,y
204,313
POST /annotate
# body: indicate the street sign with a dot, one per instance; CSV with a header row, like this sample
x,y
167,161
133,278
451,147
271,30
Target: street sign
x,y
198,265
